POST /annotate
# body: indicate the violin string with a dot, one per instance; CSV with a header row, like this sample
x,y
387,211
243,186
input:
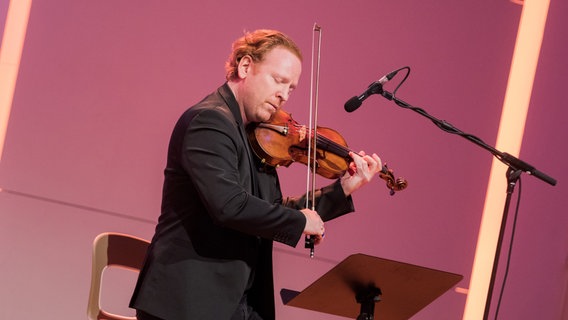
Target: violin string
x,y
332,146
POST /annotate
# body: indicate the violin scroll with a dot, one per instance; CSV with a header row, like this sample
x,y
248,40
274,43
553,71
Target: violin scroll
x,y
393,184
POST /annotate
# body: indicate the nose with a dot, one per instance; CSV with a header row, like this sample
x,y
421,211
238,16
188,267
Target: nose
x,y
283,95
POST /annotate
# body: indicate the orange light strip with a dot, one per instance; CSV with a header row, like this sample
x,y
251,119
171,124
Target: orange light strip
x,y
509,139
10,54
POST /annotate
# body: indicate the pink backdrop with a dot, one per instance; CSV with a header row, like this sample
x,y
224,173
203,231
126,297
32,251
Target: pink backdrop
x,y
102,83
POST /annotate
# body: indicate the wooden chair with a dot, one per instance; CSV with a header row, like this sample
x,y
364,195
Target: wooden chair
x,y
116,250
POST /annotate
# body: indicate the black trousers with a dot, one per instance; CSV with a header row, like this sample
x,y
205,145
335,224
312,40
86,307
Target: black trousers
x,y
243,312
141,315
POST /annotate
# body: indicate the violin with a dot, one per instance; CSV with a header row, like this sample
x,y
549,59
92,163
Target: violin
x,y
282,141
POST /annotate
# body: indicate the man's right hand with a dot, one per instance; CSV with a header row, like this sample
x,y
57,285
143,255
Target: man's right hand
x,y
314,225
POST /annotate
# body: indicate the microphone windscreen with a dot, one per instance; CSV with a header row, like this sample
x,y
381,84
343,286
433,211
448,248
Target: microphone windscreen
x,y
352,104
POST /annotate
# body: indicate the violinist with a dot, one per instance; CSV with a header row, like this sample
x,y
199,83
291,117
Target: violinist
x,y
211,254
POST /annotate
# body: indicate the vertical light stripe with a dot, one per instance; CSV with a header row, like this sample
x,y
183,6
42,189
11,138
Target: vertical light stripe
x,y
10,54
509,139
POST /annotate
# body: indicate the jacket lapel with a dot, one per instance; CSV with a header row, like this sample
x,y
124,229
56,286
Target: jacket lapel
x,y
230,100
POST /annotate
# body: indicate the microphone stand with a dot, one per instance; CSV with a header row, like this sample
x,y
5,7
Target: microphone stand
x,y
516,168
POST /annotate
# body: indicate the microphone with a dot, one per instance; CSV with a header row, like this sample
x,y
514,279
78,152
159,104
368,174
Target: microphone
x,y
375,87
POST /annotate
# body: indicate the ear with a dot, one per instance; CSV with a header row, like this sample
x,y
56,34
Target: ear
x,y
244,66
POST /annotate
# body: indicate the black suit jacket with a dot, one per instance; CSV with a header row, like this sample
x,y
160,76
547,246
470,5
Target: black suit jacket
x,y
221,210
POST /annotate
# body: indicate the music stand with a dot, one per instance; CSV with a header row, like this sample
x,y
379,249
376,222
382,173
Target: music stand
x,y
352,288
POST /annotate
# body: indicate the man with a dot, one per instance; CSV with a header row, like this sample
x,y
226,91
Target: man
x,y
211,255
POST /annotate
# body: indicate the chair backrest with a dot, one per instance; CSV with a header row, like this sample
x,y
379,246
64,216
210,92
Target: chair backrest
x,y
117,250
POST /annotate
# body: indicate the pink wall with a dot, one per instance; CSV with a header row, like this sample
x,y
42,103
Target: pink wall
x,y
101,84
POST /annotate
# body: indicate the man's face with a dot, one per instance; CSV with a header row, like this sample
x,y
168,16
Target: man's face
x,y
267,84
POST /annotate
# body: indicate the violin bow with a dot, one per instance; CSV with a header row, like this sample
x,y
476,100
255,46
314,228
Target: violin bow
x,y
312,125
